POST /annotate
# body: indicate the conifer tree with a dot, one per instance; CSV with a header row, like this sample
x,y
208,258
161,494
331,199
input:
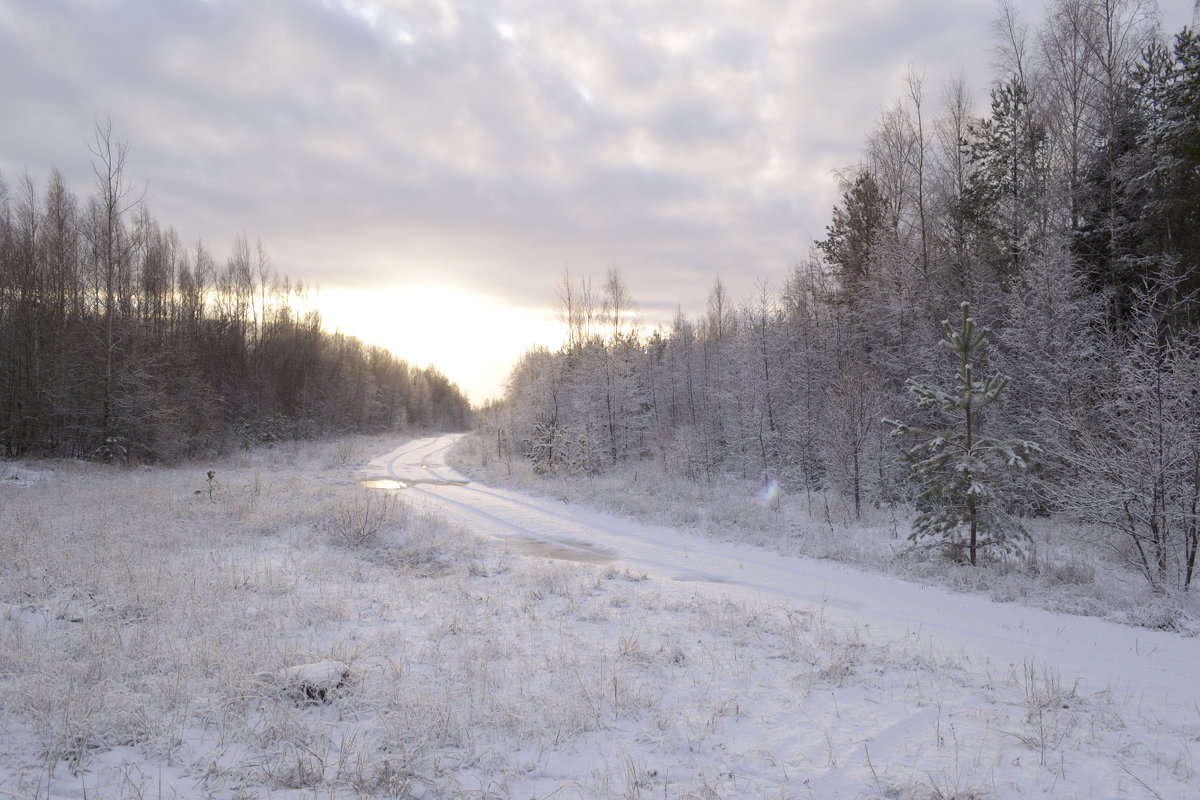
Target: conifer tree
x,y
955,466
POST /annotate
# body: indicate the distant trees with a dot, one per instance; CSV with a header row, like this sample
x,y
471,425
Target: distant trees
x,y
119,342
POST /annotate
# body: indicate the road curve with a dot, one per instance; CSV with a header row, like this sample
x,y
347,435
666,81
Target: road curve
x,y
1090,653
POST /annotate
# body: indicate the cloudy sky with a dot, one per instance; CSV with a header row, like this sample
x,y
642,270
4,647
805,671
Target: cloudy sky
x,y
434,165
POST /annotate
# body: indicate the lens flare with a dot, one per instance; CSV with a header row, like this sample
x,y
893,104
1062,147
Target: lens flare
x,y
768,491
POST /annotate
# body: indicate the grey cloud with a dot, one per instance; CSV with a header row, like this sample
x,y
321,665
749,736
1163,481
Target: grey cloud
x,y
498,140
697,122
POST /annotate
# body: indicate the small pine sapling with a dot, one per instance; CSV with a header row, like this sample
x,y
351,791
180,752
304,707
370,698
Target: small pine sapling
x,y
210,484
955,467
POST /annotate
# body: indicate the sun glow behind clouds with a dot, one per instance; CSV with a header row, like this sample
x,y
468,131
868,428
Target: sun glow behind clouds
x,y
472,339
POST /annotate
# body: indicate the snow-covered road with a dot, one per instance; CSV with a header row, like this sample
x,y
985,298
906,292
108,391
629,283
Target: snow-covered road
x,y
1157,668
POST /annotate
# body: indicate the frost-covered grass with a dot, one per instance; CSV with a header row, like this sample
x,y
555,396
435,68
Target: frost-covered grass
x,y
146,628
1061,567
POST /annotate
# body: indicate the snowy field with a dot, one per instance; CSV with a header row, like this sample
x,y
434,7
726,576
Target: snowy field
x,y
283,631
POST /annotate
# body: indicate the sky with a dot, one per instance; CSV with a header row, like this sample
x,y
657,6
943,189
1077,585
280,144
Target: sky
x,y
432,167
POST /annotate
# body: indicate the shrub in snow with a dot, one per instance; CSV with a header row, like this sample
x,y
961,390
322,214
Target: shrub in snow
x,y
358,520
312,683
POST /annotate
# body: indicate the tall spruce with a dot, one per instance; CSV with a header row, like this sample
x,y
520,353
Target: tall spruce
x,y
1170,87
1006,195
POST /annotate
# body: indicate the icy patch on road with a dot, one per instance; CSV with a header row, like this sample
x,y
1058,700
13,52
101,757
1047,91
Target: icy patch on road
x,y
580,552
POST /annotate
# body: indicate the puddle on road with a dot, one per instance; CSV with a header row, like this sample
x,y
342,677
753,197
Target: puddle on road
x,y
383,483
700,579
394,483
581,552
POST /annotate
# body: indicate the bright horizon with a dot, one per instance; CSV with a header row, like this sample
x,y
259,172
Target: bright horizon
x,y
472,339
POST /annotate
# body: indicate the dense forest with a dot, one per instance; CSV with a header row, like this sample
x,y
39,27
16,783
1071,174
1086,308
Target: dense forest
x,y
1000,321
117,342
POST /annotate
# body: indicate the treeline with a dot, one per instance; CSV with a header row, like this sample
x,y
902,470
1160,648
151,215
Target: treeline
x,y
1068,216
118,342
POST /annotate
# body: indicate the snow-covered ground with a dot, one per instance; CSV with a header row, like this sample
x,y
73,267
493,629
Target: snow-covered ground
x,y
475,642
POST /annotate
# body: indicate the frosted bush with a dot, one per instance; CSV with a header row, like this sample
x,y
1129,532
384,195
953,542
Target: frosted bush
x,y
358,520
